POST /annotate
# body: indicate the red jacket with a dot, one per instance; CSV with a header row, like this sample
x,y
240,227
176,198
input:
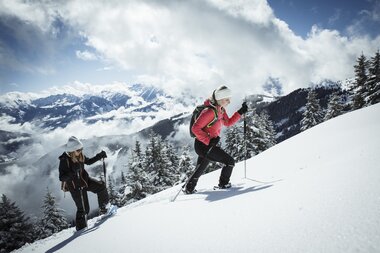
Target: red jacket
x,y
205,134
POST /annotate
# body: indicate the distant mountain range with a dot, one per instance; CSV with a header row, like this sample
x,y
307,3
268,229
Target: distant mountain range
x,y
59,110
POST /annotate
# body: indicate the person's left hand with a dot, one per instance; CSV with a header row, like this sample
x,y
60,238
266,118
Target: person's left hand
x,y
243,109
102,154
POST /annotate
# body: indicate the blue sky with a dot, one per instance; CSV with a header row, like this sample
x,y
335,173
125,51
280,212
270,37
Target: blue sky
x,y
186,45
334,14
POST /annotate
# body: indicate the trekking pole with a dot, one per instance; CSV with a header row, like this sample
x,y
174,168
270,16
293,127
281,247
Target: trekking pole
x,y
105,172
245,142
245,146
82,199
192,174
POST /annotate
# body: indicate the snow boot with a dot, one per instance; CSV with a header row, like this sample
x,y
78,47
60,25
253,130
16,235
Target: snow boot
x,y
104,209
80,222
190,186
188,191
224,186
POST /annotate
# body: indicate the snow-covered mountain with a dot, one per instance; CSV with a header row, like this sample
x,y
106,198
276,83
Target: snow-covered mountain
x,y
315,192
58,108
286,112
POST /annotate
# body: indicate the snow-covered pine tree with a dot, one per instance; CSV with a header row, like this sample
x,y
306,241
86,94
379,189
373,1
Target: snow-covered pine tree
x,y
121,189
151,154
263,133
258,137
123,180
234,142
160,170
269,132
15,229
312,115
174,161
52,220
334,107
137,182
373,82
186,165
164,173
252,136
112,193
360,89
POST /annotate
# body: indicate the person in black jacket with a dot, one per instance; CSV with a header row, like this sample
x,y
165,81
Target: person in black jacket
x,y
75,179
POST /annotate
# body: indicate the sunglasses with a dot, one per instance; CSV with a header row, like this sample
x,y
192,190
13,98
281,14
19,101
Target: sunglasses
x,y
79,150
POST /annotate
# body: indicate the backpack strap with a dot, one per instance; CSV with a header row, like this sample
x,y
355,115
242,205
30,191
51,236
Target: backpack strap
x,y
204,107
215,116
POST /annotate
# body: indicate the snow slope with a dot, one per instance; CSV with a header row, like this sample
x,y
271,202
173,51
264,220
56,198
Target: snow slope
x,y
327,200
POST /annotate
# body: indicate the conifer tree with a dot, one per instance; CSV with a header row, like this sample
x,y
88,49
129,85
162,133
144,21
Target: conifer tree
x,y
112,193
373,82
52,220
261,134
186,165
334,107
15,229
164,172
173,162
234,142
253,135
151,154
121,189
374,68
123,180
258,136
360,89
312,115
137,183
269,132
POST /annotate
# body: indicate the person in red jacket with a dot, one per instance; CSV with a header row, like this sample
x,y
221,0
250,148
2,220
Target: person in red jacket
x,y
207,137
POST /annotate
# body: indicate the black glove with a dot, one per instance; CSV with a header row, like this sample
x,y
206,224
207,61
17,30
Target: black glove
x,y
214,141
243,109
102,154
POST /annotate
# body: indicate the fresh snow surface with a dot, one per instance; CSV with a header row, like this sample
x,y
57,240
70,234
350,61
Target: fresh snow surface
x,y
327,200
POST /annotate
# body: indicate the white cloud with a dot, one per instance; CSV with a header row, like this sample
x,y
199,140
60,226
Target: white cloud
x,y
197,45
7,123
335,17
256,11
39,13
367,19
374,14
86,55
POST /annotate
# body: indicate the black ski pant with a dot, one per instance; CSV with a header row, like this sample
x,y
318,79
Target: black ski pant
x,y
215,154
94,186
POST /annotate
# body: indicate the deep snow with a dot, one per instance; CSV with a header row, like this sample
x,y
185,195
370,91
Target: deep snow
x,y
327,200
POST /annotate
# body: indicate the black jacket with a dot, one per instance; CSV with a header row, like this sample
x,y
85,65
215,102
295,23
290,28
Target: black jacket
x,y
69,171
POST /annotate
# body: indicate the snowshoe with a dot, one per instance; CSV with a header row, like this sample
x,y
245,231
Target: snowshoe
x,y
108,210
222,186
187,191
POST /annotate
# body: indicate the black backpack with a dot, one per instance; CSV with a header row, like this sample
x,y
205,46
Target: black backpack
x,y
197,111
